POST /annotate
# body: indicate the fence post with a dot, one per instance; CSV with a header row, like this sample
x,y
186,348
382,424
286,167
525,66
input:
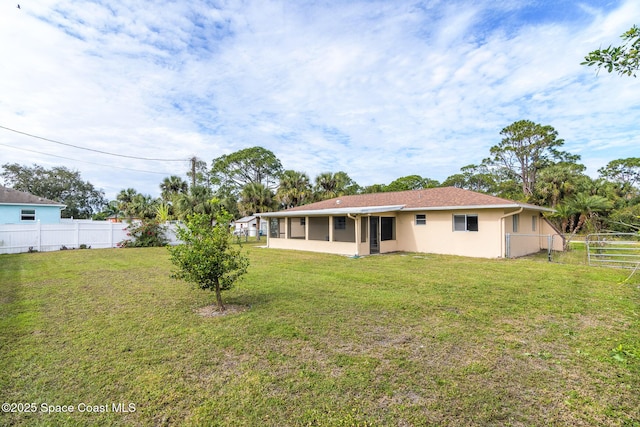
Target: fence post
x,y
39,233
77,235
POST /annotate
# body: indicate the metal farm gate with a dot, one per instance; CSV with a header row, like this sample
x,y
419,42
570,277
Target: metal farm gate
x,y
619,250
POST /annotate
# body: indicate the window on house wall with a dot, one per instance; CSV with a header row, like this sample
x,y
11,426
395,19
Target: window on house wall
x,y
465,223
534,223
387,228
303,222
28,215
515,223
421,219
339,222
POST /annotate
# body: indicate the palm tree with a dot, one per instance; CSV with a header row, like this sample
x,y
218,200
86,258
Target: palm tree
x,y
560,182
587,207
294,189
125,200
111,209
172,186
255,198
330,185
563,217
198,200
143,206
326,186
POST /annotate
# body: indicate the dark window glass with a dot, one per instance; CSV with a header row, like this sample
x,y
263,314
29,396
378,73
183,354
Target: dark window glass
x,y
387,228
339,222
28,215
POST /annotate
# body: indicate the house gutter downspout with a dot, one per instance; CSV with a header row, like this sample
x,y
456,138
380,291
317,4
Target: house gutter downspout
x,y
355,220
502,229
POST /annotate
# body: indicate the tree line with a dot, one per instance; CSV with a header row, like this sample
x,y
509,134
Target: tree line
x,y
528,165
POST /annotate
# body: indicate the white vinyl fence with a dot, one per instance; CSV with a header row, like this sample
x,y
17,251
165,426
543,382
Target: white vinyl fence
x,y
16,238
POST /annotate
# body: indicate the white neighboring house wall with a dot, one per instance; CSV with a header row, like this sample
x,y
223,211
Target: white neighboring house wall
x,y
247,226
17,238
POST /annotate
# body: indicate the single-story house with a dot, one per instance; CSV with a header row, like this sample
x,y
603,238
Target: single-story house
x,y
18,207
446,220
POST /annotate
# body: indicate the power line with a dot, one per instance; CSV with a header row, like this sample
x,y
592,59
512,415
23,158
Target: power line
x,y
90,149
84,161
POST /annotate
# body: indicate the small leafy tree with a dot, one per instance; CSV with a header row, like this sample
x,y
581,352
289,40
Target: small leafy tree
x,y
206,257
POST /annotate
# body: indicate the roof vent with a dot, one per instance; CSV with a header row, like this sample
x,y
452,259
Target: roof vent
x,y
338,201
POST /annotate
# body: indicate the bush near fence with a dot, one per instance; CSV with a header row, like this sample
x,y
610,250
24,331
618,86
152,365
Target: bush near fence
x,y
17,238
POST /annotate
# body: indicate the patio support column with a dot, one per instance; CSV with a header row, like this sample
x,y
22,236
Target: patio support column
x,y
331,228
356,229
306,228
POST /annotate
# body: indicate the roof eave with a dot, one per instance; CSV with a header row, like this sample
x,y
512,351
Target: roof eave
x,y
33,204
471,207
363,210
394,208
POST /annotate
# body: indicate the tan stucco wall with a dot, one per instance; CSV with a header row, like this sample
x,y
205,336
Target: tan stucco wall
x,y
438,237
340,248
557,243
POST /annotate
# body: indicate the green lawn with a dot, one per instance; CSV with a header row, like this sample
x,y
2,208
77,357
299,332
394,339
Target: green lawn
x,y
327,340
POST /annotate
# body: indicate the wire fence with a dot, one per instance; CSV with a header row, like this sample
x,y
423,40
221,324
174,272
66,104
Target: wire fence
x,y
518,245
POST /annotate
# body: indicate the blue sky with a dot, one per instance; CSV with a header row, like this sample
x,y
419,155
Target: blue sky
x,y
377,89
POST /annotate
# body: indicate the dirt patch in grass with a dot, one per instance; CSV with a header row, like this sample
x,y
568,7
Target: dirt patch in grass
x,y
214,311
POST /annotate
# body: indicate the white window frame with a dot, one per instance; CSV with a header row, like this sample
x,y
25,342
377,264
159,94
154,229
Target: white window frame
x,y
27,215
421,219
466,217
515,223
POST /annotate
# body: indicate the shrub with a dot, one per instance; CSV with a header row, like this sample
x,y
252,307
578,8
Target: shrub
x,y
145,234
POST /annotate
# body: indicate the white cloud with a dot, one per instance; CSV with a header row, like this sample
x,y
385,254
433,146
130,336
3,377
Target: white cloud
x,y
377,89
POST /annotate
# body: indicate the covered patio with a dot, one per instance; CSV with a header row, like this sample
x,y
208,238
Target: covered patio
x,y
348,231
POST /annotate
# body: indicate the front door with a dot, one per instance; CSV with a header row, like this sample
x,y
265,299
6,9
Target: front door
x,y
374,235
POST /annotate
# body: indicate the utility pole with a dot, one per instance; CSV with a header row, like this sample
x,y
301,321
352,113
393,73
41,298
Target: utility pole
x,y
193,160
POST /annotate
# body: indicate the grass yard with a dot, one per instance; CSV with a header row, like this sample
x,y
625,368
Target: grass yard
x,y
395,340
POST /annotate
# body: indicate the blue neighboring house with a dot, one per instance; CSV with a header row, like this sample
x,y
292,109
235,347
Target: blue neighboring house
x,y
18,207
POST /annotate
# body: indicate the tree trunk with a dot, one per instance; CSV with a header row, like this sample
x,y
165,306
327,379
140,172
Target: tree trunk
x,y
219,296
581,222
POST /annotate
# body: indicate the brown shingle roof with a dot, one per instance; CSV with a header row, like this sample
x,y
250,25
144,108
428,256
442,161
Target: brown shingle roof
x,y
442,197
15,197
